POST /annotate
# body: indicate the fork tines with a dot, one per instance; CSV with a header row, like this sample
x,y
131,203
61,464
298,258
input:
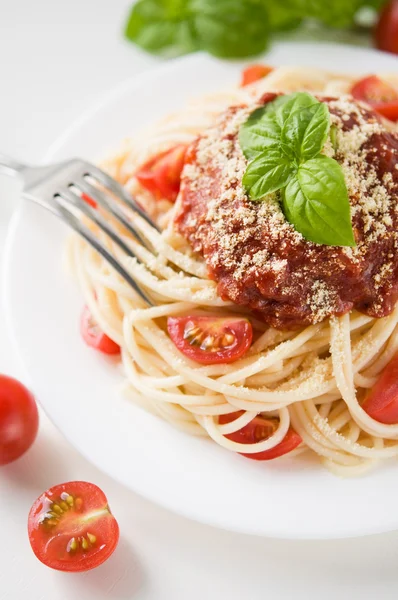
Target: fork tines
x,y
106,195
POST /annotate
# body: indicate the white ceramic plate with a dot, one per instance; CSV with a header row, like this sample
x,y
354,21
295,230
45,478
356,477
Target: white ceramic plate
x,y
79,389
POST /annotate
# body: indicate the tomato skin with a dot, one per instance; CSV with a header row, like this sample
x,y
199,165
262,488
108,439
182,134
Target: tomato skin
x,y
290,442
161,175
89,200
253,73
204,339
386,31
261,429
94,337
88,522
19,419
381,403
381,96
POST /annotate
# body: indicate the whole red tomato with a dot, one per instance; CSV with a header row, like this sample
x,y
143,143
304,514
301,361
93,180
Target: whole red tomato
x,y
386,31
19,419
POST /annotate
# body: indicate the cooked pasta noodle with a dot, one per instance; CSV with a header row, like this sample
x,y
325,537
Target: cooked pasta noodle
x,y
312,379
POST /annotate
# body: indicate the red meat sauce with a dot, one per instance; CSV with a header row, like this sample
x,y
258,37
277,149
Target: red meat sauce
x,y
259,260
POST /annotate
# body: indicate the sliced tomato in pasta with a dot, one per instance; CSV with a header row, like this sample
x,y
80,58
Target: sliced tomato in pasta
x,y
260,429
382,401
253,73
211,340
94,336
161,175
382,96
89,200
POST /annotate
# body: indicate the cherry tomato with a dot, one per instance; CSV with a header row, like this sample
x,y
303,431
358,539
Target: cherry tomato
x,y
94,337
89,201
381,96
253,73
19,419
211,340
71,527
381,403
386,31
260,429
161,175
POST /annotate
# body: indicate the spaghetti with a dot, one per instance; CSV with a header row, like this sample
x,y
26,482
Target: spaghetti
x,y
313,379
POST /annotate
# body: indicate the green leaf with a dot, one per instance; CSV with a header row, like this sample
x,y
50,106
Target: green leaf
x,y
336,13
284,106
306,130
258,133
161,27
231,28
225,28
267,173
284,16
316,203
284,139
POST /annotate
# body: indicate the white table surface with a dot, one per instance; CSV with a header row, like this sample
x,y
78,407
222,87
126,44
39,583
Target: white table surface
x,y
57,57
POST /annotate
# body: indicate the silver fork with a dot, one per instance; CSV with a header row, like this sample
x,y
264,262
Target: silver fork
x,y
57,187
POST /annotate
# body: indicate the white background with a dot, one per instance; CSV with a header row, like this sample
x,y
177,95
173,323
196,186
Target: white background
x,y
57,58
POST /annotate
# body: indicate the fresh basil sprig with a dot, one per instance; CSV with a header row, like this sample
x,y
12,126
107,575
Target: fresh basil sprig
x,y
283,142
229,28
224,28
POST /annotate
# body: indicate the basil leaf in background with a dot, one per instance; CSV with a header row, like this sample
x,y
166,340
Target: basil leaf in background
x,y
258,133
306,130
337,13
284,15
267,173
231,28
162,27
316,203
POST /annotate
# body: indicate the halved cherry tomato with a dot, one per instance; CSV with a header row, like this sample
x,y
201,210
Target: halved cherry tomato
x,y
211,340
381,403
253,73
19,419
161,175
89,201
94,337
386,31
71,527
379,94
260,429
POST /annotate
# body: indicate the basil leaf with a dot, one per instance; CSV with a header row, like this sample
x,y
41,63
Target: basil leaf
x,y
162,27
306,129
283,106
285,15
316,203
258,133
338,13
267,173
231,28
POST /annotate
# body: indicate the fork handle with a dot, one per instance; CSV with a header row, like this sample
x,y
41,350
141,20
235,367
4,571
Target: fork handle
x,y
9,166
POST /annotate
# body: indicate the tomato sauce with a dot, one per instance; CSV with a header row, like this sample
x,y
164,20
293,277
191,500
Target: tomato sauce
x,y
260,261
